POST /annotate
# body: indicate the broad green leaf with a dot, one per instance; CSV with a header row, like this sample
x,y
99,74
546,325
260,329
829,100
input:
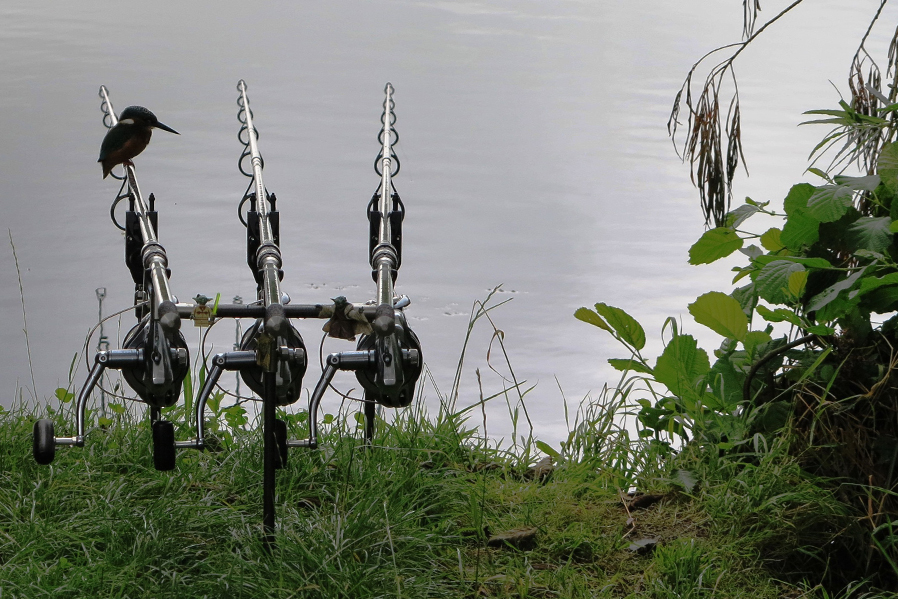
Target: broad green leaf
x,y
881,300
806,262
624,324
887,167
751,202
893,226
801,229
746,297
779,315
587,315
820,173
830,202
830,293
822,330
726,383
772,281
742,272
63,395
752,252
713,245
866,183
798,196
870,233
797,282
868,255
738,216
625,365
681,365
771,240
547,449
868,284
755,338
721,313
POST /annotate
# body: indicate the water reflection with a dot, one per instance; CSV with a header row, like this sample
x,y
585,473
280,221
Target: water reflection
x,y
533,146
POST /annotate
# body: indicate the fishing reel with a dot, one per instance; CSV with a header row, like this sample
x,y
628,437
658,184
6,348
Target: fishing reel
x,y
391,380
289,372
158,377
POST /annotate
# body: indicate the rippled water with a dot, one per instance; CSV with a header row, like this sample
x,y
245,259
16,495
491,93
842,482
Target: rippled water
x,y
534,155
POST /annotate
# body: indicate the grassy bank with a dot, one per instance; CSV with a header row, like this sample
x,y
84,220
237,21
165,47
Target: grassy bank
x,y
412,517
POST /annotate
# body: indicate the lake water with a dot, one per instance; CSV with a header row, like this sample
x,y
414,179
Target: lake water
x,y
534,155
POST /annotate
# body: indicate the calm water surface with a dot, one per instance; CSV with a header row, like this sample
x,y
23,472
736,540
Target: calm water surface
x,y
534,155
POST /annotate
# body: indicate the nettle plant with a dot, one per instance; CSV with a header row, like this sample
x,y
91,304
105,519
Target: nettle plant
x,y
827,275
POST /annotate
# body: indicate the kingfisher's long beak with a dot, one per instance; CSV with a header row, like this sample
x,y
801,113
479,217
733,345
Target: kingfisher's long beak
x,y
159,125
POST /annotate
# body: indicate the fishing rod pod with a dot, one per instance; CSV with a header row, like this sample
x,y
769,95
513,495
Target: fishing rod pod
x,y
271,357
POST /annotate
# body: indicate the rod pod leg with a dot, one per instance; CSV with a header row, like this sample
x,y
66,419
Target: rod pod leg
x,y
370,415
269,458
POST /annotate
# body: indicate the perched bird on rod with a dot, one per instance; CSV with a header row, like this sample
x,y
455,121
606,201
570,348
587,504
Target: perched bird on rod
x,y
129,137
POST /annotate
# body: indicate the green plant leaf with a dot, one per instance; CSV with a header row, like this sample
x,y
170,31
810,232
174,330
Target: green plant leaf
x,y
770,240
681,365
63,395
772,282
632,365
547,449
820,173
797,282
887,167
798,196
587,315
721,313
747,298
755,338
779,315
713,245
870,233
830,202
726,383
801,229
868,284
806,262
624,324
866,183
831,292
738,216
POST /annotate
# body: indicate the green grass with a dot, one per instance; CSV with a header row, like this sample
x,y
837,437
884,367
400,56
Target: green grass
x,y
408,518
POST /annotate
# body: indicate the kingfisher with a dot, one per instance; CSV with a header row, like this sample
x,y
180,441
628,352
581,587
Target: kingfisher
x,y
129,137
